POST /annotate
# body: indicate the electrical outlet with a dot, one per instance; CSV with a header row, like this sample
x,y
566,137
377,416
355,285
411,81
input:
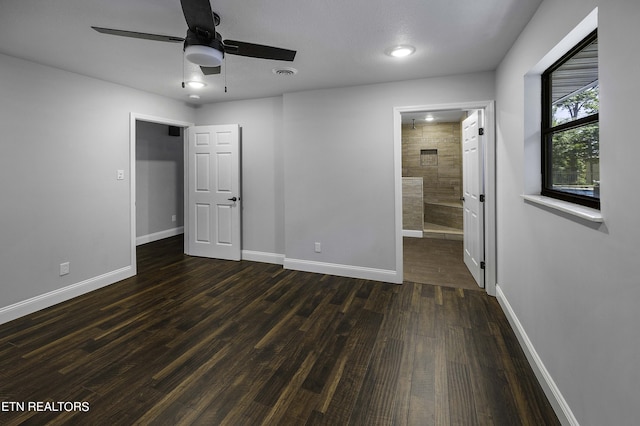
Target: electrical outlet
x,y
64,268
173,218
318,248
120,175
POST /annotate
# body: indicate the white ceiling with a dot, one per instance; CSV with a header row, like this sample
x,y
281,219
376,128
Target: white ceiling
x,y
339,43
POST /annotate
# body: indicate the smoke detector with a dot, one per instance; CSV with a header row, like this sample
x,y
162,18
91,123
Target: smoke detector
x,y
285,71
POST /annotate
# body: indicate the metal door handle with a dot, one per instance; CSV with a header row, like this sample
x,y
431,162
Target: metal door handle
x,y
234,199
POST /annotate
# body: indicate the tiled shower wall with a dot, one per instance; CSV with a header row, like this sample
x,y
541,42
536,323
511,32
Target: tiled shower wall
x,y
433,151
412,205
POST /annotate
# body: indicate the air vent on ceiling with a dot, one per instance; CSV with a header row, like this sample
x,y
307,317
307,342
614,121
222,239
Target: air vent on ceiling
x,y
285,71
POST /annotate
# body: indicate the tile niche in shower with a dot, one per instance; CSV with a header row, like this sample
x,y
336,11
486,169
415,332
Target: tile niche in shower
x,y
428,157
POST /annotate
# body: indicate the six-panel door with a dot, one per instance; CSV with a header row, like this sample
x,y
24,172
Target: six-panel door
x,y
214,192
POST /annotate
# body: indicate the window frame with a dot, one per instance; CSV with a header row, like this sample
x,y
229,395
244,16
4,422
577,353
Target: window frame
x,y
547,131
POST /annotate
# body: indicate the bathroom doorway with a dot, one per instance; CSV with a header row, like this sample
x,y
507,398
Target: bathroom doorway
x,y
432,173
431,168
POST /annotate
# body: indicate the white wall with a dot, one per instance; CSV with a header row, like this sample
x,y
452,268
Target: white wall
x,y
262,181
159,181
327,175
573,287
339,169
63,138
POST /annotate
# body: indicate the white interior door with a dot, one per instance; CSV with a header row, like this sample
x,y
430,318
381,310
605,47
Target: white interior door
x,y
214,192
473,189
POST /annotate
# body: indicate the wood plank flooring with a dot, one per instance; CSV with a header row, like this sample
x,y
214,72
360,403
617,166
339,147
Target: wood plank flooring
x,y
436,261
200,341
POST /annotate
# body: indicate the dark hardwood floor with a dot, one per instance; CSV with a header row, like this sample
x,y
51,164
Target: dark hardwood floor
x,y
200,341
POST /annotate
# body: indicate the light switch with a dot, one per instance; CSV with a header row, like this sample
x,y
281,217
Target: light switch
x,y
120,175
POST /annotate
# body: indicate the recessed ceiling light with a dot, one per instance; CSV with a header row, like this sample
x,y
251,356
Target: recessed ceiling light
x,y
194,96
195,84
285,71
400,51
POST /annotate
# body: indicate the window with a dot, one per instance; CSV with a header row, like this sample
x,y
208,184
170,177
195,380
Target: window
x,y
570,129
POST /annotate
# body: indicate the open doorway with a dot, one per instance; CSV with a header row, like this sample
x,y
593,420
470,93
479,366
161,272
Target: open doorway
x,y
432,174
432,194
429,168
159,181
159,156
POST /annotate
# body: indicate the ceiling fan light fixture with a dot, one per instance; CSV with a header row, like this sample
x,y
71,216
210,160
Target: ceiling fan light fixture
x,y
205,56
400,51
194,84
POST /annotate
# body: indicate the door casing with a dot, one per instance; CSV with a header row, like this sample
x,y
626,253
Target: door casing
x,y
133,118
472,193
488,108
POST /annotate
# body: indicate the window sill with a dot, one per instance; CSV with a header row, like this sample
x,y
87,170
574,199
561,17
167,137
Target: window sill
x,y
586,213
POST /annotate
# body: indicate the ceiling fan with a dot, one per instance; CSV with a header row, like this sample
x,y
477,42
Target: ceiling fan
x,y
203,45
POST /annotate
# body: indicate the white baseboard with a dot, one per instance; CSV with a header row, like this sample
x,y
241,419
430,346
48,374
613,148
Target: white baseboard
x,y
144,239
384,275
412,233
29,306
557,401
259,256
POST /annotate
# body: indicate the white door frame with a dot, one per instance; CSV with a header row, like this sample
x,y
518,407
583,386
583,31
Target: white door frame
x,y
489,178
133,117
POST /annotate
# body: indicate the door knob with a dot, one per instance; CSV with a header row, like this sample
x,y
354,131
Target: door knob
x,y
234,199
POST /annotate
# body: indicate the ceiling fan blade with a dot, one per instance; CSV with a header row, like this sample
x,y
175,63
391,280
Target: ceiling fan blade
x,y
252,50
135,34
210,70
199,16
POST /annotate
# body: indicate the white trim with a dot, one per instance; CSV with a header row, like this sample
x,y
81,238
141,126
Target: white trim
x,y
583,29
490,230
489,180
264,257
412,233
29,306
532,131
397,173
533,107
149,238
586,213
559,404
383,275
133,117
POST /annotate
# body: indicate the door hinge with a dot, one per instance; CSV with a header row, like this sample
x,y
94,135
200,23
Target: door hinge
x,y
481,131
482,265
482,198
